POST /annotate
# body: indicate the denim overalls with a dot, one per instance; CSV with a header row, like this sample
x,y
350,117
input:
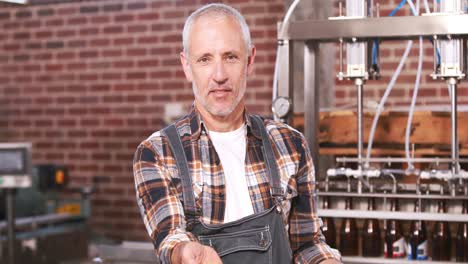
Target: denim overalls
x,y
258,238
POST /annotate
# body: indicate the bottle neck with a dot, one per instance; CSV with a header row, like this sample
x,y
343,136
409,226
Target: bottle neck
x,y
441,207
326,203
371,204
416,207
349,203
394,205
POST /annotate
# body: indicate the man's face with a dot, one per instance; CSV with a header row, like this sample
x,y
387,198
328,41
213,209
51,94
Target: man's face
x,y
217,64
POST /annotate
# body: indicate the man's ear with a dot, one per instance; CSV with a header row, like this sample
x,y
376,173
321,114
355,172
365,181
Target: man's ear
x,y
185,65
250,60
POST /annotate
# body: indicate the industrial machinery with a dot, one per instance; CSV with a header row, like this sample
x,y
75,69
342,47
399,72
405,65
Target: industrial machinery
x,y
38,224
396,188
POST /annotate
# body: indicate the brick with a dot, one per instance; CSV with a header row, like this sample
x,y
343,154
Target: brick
x,y
173,14
112,99
67,11
66,33
68,55
149,16
112,76
32,24
91,31
11,25
74,21
100,19
124,18
136,6
21,57
23,14
112,8
158,27
123,41
123,64
32,68
45,12
88,54
137,52
137,98
55,45
148,40
123,87
89,9
21,35
43,34
113,30
148,63
160,51
66,123
175,38
112,53
137,28
5,15
136,75
55,22
11,46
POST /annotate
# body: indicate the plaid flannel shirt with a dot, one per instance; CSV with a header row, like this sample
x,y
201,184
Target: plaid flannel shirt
x,y
159,190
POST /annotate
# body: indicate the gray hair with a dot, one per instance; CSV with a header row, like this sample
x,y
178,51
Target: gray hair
x,y
216,9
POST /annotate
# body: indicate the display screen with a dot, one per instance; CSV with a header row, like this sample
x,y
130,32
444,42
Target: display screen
x,y
12,161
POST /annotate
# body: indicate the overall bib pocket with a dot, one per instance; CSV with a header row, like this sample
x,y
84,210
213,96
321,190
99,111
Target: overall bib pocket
x,y
247,245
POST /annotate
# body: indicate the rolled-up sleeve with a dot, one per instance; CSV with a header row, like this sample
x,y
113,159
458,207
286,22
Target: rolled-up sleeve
x,y
306,238
158,198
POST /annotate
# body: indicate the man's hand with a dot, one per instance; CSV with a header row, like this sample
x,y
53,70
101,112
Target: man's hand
x,y
194,253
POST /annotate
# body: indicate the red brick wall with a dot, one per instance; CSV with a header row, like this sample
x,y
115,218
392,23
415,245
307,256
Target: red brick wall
x,y
431,92
85,82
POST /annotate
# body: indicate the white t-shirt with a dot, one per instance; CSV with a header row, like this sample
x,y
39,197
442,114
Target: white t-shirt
x,y
231,148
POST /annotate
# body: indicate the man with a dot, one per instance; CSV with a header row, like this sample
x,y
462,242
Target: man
x,y
221,185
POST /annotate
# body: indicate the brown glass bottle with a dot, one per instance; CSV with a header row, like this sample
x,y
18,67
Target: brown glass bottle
x,y
371,241
349,233
417,248
441,238
395,244
328,227
462,238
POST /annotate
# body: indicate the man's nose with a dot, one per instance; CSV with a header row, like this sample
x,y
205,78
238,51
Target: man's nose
x,y
220,75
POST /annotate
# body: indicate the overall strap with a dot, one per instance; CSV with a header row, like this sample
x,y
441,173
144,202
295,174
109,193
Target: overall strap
x,y
269,156
190,208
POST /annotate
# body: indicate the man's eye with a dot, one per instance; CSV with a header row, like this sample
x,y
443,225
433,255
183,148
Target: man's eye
x,y
203,60
231,57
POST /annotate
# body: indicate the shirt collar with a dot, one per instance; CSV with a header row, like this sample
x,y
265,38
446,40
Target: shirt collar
x,y
197,125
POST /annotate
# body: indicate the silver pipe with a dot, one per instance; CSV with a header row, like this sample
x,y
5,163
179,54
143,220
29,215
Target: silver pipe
x,y
341,58
452,82
386,215
394,195
400,160
10,205
359,83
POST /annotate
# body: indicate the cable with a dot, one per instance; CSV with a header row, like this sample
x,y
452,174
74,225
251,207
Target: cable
x,y
413,103
284,25
385,96
400,5
415,12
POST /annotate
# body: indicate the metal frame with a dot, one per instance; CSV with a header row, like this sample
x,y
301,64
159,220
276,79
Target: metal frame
x,y
342,30
349,29
381,27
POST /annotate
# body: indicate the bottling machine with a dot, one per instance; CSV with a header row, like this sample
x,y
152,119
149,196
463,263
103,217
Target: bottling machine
x,y
391,181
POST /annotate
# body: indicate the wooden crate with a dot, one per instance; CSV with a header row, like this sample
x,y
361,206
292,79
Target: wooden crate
x,y
430,133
